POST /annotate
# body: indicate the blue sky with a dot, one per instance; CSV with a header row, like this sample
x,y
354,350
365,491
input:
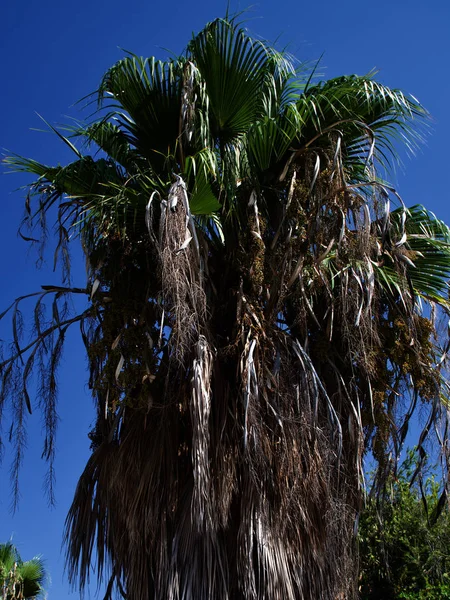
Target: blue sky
x,y
54,52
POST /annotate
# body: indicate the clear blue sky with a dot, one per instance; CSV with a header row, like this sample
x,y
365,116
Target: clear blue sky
x,y
54,52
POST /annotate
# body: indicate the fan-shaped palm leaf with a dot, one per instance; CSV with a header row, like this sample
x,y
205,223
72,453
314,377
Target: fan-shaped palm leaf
x,y
18,579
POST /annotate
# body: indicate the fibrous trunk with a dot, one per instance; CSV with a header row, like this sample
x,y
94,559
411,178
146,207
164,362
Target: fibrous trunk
x,y
228,466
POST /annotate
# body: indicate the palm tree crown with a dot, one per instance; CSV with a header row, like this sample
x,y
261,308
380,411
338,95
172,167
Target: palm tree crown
x,y
256,318
20,580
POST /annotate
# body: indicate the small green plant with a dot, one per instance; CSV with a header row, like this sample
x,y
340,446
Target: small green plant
x,y
20,580
404,542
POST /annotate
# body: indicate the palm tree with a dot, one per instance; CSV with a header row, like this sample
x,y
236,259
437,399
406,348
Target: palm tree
x,y
20,580
257,318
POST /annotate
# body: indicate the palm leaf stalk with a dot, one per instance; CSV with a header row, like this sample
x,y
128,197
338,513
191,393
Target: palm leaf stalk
x,y
258,319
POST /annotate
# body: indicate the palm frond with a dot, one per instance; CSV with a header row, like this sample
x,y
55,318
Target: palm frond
x,y
112,141
363,110
428,247
149,91
233,67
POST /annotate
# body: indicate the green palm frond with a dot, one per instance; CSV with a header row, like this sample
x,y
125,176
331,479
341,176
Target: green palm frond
x,y
21,579
235,70
268,141
110,138
33,576
428,247
8,556
77,179
364,112
149,92
199,173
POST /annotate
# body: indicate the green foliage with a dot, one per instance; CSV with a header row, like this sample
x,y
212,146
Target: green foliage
x,y
404,541
20,580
